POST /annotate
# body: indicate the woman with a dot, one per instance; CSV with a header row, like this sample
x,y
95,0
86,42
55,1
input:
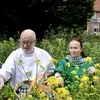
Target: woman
x,y
75,60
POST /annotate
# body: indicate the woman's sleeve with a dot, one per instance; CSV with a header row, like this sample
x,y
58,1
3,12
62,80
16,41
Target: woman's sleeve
x,y
92,63
60,67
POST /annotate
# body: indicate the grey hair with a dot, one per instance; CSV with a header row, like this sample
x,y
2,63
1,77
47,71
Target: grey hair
x,y
34,35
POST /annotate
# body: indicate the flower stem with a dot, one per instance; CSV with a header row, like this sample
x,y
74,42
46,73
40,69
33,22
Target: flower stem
x,y
25,72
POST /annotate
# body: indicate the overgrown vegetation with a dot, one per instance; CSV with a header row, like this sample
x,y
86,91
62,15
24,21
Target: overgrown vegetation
x,y
57,46
6,47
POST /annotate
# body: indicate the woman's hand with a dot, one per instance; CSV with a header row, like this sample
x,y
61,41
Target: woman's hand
x,y
91,70
57,74
61,80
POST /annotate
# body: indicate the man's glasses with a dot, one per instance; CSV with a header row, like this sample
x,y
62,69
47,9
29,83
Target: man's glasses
x,y
28,43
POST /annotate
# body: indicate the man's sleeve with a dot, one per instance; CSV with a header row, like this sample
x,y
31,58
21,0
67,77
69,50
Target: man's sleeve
x,y
7,68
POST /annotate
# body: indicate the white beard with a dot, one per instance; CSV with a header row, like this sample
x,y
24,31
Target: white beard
x,y
26,52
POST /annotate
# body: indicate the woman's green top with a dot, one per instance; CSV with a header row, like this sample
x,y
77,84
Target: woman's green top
x,y
69,67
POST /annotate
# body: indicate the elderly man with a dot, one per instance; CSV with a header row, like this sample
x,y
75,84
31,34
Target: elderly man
x,y
28,55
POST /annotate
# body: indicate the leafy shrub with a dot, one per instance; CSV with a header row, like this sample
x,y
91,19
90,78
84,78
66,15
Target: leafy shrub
x,y
6,47
57,46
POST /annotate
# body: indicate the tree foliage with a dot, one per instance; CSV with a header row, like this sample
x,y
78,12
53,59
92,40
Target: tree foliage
x,y
17,15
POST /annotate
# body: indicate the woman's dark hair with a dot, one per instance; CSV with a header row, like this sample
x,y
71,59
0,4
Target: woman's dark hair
x,y
81,44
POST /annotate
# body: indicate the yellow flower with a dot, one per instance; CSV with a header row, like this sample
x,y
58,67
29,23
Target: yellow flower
x,y
95,78
73,72
92,87
88,59
30,96
97,65
77,67
62,92
23,94
97,71
19,62
76,81
81,85
53,81
68,64
53,60
85,79
46,98
9,99
68,85
12,95
42,95
37,61
77,77
69,98
84,70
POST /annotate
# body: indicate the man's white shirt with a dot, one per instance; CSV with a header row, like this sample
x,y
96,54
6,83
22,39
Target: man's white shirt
x,y
11,68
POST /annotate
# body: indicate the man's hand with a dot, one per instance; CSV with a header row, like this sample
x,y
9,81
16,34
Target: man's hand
x,y
48,74
91,70
1,82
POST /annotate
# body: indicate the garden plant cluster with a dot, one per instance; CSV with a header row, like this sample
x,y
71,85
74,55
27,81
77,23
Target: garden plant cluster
x,y
85,87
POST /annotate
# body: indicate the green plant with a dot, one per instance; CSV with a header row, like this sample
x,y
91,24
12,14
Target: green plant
x,y
6,47
8,93
57,45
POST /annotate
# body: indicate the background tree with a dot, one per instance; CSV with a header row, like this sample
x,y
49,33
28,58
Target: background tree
x,y
17,15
